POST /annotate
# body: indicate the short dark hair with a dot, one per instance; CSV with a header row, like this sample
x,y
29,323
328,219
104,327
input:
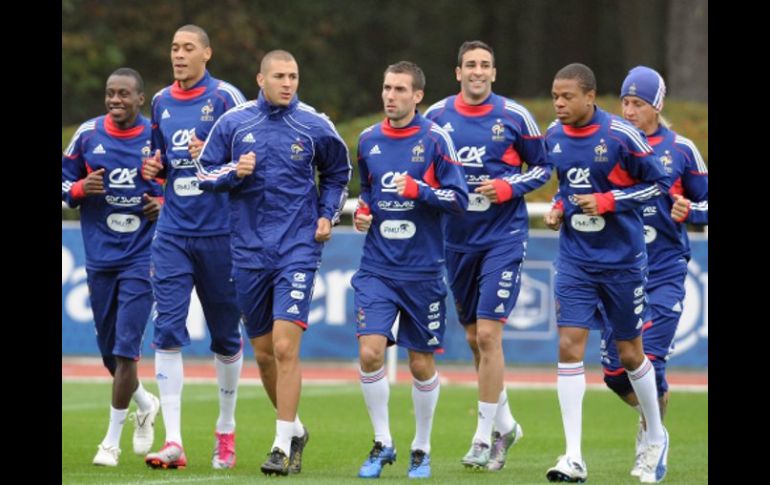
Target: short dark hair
x,y
202,35
470,45
128,72
278,54
582,73
406,67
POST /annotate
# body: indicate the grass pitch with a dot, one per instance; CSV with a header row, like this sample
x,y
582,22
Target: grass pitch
x,y
341,436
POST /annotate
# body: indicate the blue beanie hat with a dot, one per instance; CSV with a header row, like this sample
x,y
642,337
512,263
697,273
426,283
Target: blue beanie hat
x,y
645,83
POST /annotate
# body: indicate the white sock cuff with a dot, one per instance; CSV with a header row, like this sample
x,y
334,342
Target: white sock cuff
x,y
571,369
229,359
643,369
426,386
371,377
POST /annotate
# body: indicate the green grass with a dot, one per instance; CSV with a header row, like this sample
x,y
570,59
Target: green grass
x,y
340,436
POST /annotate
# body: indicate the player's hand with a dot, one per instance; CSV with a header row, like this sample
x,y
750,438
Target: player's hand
x,y
554,218
195,147
246,164
496,190
151,208
324,231
588,203
93,184
681,208
151,166
362,219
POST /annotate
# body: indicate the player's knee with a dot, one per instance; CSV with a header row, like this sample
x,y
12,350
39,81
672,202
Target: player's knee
x,y
488,340
372,358
620,384
265,358
285,350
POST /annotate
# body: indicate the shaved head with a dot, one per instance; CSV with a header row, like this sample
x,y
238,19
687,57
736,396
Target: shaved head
x,y
275,55
202,35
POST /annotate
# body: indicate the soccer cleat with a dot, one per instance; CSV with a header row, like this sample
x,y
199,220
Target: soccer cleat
x,y
636,471
295,454
277,463
379,456
568,470
106,456
224,451
144,432
170,456
500,446
654,461
477,457
419,464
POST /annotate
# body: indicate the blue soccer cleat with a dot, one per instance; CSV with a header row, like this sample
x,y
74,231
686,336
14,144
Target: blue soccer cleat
x,y
379,456
419,464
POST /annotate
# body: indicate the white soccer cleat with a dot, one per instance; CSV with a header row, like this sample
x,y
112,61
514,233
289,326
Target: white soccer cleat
x,y
567,470
654,461
107,456
144,433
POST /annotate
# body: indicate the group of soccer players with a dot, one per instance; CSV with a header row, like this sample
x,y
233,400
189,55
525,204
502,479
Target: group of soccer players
x,y
244,222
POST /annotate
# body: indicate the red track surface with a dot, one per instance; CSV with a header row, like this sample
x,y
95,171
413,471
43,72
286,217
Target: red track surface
x,y
84,368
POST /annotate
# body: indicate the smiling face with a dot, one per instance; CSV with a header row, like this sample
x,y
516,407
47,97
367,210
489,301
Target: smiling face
x,y
279,81
476,75
399,98
188,58
123,100
573,106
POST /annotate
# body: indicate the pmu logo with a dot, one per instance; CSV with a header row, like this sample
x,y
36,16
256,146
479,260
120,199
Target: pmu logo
x,y
472,156
387,183
123,178
181,139
579,178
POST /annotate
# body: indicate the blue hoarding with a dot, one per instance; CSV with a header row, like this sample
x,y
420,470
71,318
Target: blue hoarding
x,y
530,335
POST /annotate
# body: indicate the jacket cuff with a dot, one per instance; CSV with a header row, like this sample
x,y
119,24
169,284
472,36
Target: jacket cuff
x,y
605,202
503,189
78,190
412,190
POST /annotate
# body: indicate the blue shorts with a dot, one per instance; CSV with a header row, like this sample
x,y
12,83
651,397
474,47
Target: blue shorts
x,y
664,308
121,301
268,295
420,306
178,264
579,292
486,284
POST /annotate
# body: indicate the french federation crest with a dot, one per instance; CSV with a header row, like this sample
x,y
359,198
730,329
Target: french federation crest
x,y
600,152
498,131
206,111
297,150
666,160
146,151
418,152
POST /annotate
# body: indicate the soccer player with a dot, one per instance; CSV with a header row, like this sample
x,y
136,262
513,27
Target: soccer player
x,y
493,136
607,171
410,176
668,247
192,247
266,153
118,209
